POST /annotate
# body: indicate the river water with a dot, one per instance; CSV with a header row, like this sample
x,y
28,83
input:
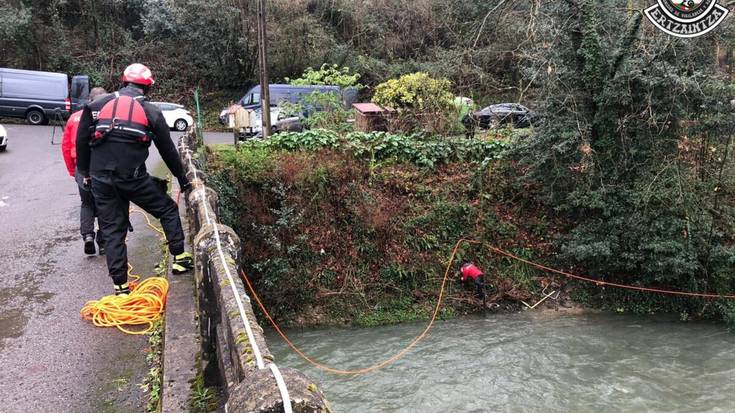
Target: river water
x,y
526,363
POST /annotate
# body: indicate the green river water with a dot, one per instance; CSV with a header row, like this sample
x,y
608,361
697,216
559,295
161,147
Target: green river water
x,y
526,363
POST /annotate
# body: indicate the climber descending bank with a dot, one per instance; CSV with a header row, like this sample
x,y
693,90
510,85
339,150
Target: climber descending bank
x,y
471,275
114,134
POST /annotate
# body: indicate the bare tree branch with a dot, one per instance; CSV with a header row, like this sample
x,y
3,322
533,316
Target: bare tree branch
x,y
482,26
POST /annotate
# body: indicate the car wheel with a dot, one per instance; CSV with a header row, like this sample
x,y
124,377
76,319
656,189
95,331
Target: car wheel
x,y
3,148
35,117
180,125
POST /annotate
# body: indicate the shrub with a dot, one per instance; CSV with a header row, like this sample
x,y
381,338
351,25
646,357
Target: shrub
x,y
319,109
326,111
638,168
328,75
422,102
310,140
386,147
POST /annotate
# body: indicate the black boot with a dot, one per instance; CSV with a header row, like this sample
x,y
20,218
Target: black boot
x,y
89,248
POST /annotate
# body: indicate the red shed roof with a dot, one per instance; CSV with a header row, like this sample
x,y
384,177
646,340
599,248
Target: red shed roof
x,y
368,108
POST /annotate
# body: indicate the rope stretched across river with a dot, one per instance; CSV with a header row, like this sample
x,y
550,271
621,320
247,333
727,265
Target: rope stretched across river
x,y
439,301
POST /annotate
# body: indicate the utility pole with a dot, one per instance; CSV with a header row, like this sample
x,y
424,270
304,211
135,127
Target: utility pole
x,y
265,101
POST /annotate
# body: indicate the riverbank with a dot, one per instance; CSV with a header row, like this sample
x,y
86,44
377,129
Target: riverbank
x,y
357,229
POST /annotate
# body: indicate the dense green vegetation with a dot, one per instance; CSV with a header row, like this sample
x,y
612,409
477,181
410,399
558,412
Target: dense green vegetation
x,y
629,177
632,166
212,44
420,102
636,157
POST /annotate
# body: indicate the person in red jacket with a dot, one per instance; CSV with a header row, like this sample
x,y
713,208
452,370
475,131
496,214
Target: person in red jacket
x,y
88,209
470,273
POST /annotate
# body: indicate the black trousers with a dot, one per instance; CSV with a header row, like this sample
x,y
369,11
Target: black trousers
x,y
88,212
479,284
112,196
480,287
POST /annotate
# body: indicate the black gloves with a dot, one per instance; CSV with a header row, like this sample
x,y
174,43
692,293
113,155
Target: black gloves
x,y
184,184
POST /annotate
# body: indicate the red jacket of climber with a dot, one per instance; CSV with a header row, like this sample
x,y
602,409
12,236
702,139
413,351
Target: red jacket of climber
x,y
470,270
69,142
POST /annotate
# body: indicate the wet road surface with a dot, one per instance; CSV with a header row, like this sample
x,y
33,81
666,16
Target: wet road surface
x,y
51,359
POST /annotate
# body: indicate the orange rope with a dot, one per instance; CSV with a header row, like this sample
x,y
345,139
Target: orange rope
x,y
605,283
423,334
376,366
142,307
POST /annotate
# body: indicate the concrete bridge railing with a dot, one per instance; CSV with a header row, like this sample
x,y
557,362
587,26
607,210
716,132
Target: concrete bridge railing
x,y
233,344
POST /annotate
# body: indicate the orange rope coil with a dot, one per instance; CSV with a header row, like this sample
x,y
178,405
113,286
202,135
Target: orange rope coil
x,y
142,307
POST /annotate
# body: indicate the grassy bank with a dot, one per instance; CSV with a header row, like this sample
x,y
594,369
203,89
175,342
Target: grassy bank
x,y
357,229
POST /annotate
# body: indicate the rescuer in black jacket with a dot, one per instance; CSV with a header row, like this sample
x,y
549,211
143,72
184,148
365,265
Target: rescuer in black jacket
x,y
114,134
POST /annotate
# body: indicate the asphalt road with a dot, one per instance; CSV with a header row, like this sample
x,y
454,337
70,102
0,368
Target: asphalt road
x,y
51,359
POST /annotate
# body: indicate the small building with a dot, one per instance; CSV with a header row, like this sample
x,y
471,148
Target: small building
x,y
371,117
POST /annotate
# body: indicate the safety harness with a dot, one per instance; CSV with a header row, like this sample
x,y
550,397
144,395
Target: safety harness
x,y
122,120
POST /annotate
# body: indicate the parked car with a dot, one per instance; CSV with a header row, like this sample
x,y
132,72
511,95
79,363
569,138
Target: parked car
x,y
504,113
279,123
177,117
39,96
293,94
288,124
3,139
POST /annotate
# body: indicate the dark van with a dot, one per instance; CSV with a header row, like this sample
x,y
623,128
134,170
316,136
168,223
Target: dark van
x,y
293,94
39,96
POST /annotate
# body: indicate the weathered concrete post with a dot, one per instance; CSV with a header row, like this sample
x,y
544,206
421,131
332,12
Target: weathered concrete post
x,y
251,378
